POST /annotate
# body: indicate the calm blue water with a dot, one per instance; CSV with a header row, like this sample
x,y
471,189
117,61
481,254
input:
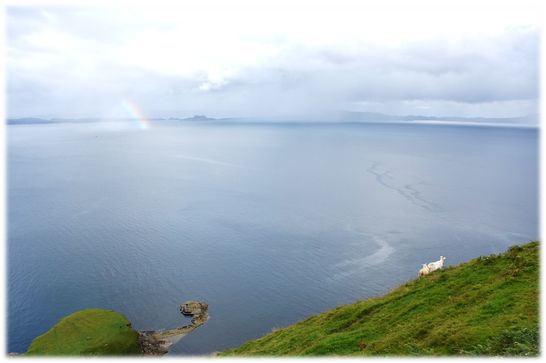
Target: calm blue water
x,y
268,223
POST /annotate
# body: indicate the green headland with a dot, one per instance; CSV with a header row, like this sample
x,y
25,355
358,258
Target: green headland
x,y
487,306
90,332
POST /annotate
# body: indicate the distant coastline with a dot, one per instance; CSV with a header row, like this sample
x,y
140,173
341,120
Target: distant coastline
x,y
333,116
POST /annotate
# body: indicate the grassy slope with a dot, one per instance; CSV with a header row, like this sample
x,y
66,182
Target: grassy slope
x,y
88,332
446,312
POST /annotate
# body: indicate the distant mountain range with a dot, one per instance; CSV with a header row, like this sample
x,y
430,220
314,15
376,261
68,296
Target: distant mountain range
x,y
332,116
194,118
32,120
344,116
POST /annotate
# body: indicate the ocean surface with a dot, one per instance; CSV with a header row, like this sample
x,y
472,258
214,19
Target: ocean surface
x,y
269,223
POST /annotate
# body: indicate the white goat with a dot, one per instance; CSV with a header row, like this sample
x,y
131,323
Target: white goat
x,y
438,264
423,271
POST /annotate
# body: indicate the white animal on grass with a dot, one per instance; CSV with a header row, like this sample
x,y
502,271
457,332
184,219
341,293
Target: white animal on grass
x,y
438,264
423,271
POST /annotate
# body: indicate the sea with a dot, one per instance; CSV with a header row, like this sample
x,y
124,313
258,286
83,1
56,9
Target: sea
x,y
268,222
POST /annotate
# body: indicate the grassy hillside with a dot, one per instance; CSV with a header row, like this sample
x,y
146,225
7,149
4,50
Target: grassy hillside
x,y
90,332
488,306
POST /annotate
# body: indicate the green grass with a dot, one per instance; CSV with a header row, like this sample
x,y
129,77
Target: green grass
x,y
487,306
522,342
91,332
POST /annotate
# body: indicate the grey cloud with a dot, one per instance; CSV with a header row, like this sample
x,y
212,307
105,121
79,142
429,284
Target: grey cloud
x,y
434,70
297,77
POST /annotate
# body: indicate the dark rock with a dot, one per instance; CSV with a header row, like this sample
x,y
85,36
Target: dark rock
x,y
151,346
193,308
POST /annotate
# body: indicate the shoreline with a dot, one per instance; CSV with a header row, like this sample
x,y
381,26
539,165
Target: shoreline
x,y
154,344
182,330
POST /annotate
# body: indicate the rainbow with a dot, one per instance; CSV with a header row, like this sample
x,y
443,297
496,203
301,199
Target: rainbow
x,y
135,113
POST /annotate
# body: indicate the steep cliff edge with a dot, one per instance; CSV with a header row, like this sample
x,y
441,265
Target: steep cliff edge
x,y
488,306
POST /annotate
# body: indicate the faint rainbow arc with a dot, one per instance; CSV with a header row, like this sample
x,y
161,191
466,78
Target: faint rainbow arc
x,y
134,112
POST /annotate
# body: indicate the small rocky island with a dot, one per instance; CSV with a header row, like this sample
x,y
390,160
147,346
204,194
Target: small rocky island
x,y
193,308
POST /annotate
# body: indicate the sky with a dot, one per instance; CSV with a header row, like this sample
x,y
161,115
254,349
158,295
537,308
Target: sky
x,y
272,59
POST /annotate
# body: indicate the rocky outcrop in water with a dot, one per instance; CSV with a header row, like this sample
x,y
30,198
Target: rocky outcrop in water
x,y
194,308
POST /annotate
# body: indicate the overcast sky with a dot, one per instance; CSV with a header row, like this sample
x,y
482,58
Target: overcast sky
x,y
237,60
